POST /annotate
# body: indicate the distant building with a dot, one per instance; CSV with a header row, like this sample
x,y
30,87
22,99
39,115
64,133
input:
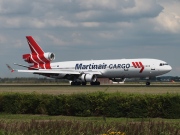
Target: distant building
x,y
107,81
104,80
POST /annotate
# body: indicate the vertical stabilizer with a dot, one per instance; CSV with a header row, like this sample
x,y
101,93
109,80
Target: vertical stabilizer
x,y
35,48
38,57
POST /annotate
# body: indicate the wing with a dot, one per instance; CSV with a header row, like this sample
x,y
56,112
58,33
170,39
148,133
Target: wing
x,y
48,71
51,71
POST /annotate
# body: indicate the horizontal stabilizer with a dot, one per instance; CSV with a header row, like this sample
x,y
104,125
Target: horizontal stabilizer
x,y
25,66
10,68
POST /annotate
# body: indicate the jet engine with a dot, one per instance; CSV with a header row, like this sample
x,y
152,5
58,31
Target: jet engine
x,y
39,58
50,56
88,78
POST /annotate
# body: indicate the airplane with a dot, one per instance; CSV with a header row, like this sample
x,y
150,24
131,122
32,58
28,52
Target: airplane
x,y
82,72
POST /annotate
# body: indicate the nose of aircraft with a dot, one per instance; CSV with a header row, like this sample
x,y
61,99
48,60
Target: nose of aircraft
x,y
168,68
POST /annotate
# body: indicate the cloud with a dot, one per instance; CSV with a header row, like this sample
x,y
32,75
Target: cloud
x,y
2,39
91,29
48,14
169,18
56,40
112,11
16,7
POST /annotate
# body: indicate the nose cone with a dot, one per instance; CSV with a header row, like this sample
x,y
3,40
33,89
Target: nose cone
x,y
167,68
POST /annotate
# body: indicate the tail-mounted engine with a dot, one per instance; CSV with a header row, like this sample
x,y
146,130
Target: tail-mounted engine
x,y
39,58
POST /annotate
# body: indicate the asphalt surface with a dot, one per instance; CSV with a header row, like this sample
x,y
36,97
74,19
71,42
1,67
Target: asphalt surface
x,y
68,85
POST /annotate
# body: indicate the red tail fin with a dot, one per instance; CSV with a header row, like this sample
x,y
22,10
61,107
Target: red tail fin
x,y
35,48
37,56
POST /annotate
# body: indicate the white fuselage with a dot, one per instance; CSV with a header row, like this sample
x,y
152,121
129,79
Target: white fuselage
x,y
118,68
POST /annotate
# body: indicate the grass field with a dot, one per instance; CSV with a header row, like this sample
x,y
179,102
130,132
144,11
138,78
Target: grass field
x,y
66,125
44,124
29,117
66,89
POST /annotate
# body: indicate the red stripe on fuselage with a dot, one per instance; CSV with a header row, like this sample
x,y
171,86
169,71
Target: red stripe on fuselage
x,y
134,64
142,67
137,64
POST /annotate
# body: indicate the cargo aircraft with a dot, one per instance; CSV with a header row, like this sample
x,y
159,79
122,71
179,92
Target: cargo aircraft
x,y
81,72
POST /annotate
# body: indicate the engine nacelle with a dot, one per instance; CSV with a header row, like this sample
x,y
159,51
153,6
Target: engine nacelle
x,y
50,56
39,58
118,79
88,78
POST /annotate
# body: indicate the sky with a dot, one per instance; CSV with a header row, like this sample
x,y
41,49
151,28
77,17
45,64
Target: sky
x,y
90,29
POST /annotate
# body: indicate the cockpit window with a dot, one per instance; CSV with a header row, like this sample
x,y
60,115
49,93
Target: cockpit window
x,y
162,64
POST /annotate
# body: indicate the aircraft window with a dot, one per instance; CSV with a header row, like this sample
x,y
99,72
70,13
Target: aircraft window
x,y
162,64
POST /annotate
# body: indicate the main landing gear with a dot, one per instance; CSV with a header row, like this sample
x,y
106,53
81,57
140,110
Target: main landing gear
x,y
84,83
95,83
78,83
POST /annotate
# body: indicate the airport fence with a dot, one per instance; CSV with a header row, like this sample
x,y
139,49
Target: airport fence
x,y
93,104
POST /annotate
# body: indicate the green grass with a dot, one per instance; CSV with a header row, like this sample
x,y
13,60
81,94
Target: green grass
x,y
43,124
29,117
65,125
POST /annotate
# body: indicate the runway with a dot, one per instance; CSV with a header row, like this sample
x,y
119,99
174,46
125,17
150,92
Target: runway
x,y
56,89
68,85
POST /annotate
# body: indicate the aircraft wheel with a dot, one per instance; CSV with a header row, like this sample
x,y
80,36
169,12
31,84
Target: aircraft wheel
x,y
83,83
92,83
78,83
98,83
72,83
95,83
148,83
75,83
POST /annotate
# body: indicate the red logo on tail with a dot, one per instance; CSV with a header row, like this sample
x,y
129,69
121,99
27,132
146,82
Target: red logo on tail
x,y
38,57
138,65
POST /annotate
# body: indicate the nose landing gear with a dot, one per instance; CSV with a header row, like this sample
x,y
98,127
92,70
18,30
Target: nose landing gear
x,y
148,83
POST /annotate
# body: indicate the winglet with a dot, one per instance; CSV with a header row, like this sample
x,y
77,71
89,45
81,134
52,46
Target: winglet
x,y
10,68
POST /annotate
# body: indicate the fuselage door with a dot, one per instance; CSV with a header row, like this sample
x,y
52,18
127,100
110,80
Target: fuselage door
x,y
153,67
